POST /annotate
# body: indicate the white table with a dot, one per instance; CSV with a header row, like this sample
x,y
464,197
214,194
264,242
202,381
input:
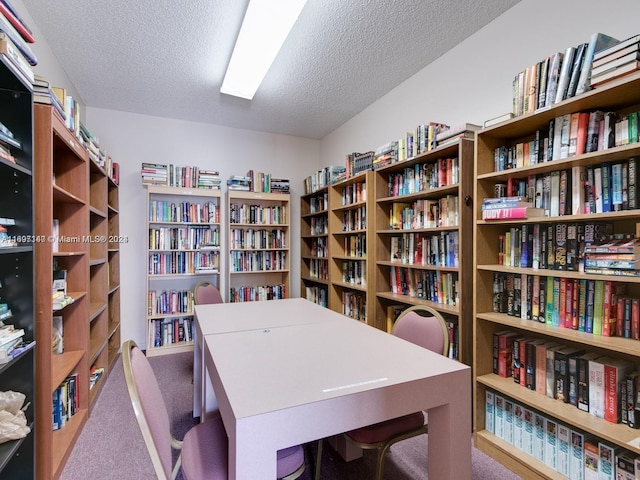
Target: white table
x,y
290,384
233,317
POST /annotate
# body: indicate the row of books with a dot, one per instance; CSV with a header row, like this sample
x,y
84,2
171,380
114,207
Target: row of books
x,y
256,214
258,182
571,452
354,305
424,176
616,61
354,246
440,250
603,188
324,177
184,238
250,238
319,226
433,286
354,219
175,176
95,373
599,307
65,401
319,269
170,302
569,135
263,261
182,263
319,247
169,331
354,272
317,294
319,203
557,77
257,293
354,193
186,212
424,213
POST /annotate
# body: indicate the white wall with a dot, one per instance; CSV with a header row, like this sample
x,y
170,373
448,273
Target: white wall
x,y
132,139
472,82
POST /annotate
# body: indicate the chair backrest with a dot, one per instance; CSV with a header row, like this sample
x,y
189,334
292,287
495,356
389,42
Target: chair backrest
x,y
425,327
149,408
206,292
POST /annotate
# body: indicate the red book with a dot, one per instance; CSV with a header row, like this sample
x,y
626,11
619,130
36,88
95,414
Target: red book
x,y
512,213
620,317
614,372
583,123
635,319
17,23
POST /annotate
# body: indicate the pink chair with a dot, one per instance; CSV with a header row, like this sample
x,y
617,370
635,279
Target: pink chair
x,y
206,292
425,327
204,450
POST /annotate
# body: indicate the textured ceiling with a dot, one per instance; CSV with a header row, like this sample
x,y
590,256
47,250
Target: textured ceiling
x,y
156,58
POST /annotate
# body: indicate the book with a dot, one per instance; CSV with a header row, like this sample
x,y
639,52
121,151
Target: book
x,y
607,460
563,451
576,461
616,54
591,458
618,62
553,74
539,436
561,371
576,69
615,372
489,411
18,23
565,74
616,47
551,444
57,341
618,72
512,213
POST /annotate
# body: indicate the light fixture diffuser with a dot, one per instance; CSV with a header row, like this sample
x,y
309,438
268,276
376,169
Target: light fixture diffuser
x,y
265,27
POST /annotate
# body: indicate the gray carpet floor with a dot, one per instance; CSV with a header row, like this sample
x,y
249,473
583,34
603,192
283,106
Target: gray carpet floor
x,y
111,446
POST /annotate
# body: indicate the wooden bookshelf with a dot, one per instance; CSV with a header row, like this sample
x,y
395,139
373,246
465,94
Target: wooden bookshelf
x,y
351,267
61,192
191,217
436,239
314,248
621,96
259,243
17,262
114,241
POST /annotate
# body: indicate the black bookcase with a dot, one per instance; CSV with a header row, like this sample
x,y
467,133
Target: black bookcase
x,y
16,262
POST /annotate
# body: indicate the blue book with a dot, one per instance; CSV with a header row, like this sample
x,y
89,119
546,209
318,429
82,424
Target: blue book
x,y
616,187
588,320
605,170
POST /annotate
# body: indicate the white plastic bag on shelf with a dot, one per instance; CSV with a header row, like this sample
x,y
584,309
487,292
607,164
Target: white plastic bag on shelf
x,y
13,422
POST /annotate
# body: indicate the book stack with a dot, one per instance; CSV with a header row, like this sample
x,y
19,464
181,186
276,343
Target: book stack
x,y
451,135
279,185
359,162
239,182
42,93
209,179
10,337
91,143
323,178
620,59
615,256
385,155
516,207
154,174
15,37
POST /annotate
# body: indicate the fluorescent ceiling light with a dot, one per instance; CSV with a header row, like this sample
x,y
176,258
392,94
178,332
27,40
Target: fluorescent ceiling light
x,y
264,29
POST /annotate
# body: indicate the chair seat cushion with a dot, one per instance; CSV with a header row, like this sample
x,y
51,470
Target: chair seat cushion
x,y
205,450
382,431
289,460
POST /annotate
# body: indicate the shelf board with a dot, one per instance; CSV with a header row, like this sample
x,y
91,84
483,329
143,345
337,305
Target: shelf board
x,y
197,192
95,309
591,217
98,212
97,261
350,286
416,266
169,315
15,166
559,273
62,365
66,254
97,345
431,193
65,437
350,232
168,349
259,271
182,224
315,280
60,195
312,257
9,449
314,214
620,345
13,250
395,231
170,276
113,288
619,433
396,297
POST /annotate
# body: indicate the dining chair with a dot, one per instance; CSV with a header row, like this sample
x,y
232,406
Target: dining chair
x,y
204,449
423,326
206,292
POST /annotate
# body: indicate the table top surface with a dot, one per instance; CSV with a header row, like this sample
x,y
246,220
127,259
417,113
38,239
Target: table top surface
x,y
321,355
234,317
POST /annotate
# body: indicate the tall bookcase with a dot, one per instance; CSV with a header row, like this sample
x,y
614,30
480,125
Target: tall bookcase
x,y
114,241
17,262
621,96
259,245
351,268
62,193
314,248
423,240
183,248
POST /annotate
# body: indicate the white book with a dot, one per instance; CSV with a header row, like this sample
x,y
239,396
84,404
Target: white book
x,y
597,189
607,461
551,444
499,416
488,415
564,449
565,73
539,436
554,205
508,421
577,189
565,127
596,387
518,425
576,462
527,432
